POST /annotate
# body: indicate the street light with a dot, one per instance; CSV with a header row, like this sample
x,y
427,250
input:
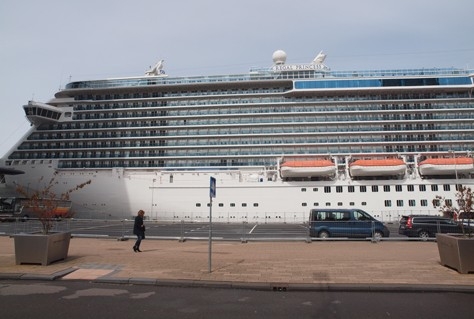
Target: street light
x,y
153,199
453,154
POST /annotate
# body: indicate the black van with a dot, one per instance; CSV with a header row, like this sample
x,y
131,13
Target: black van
x,y
328,222
425,226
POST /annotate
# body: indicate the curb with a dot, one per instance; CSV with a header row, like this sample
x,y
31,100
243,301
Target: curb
x,y
282,287
260,286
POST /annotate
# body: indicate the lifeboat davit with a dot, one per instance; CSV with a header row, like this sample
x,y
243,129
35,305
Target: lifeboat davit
x,y
446,166
377,167
307,168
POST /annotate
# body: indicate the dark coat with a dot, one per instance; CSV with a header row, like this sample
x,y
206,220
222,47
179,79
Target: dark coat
x,y
139,227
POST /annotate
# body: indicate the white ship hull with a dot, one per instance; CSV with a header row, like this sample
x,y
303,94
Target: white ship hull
x,y
241,197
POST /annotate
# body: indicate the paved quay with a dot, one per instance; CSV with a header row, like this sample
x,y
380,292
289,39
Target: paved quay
x,y
279,265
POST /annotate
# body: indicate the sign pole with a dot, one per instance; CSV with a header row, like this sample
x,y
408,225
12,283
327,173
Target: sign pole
x,y
210,234
212,194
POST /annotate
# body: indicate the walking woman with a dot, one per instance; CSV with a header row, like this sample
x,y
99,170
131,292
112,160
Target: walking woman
x,y
139,230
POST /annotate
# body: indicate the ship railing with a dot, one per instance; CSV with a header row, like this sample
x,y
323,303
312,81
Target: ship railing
x,y
258,74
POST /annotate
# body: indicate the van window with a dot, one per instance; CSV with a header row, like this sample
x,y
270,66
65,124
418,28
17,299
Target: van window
x,y
331,216
360,215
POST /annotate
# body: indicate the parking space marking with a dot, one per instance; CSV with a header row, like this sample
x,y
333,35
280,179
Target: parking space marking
x,y
253,228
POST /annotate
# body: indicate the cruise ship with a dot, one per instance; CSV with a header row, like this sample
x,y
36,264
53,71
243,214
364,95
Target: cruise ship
x,y
279,141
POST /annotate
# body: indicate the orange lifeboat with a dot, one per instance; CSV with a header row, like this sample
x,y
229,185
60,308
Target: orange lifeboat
x,y
307,168
377,167
446,166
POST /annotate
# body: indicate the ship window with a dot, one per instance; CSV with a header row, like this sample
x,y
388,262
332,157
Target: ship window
x,y
449,202
339,204
198,204
400,203
304,204
255,204
446,187
315,189
221,205
375,188
315,204
328,204
303,189
363,189
244,204
434,188
364,203
232,204
327,189
411,202
351,189
411,188
351,204
424,202
388,203
386,188
422,188
398,188
338,189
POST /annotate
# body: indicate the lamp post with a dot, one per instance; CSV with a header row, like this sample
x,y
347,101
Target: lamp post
x,y
153,199
453,155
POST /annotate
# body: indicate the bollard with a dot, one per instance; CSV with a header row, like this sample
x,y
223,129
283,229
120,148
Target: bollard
x,y
243,239
182,239
374,240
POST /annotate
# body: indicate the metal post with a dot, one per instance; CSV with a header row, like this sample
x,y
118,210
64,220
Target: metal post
x,y
182,240
212,193
152,199
243,240
210,234
453,156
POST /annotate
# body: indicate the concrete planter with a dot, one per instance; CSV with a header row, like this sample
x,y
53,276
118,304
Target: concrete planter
x,y
456,251
41,249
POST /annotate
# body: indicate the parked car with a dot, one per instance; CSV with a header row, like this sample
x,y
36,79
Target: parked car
x,y
327,222
425,226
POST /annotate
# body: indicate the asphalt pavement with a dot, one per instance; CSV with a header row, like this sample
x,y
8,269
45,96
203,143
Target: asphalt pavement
x,y
267,265
79,299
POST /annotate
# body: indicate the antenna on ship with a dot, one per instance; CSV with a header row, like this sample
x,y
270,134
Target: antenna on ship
x,y
279,57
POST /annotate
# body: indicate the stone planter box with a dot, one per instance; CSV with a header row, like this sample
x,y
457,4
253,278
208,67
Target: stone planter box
x,y
456,251
41,249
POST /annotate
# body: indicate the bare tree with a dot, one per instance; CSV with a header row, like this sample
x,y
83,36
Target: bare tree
x,y
46,205
464,210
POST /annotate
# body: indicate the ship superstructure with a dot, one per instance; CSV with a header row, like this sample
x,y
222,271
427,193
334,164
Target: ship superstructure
x,y
279,141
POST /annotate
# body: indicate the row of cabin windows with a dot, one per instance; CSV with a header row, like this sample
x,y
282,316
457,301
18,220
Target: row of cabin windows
x,y
231,204
385,188
363,189
157,94
388,203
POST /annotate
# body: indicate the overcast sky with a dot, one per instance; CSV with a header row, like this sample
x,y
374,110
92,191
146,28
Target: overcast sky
x,y
45,44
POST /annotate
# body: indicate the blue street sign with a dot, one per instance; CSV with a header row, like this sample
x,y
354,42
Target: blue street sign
x,y
212,189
